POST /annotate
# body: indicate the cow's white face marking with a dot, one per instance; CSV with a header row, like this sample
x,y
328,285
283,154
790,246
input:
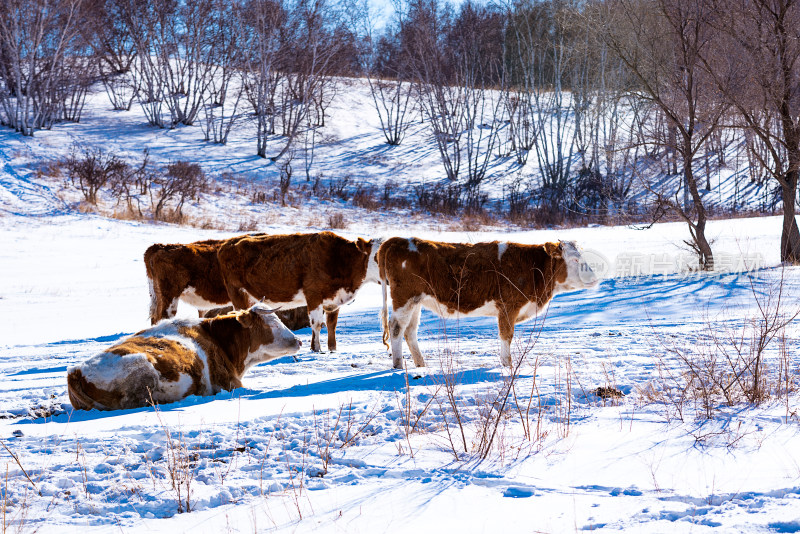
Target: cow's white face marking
x,y
403,265
373,271
579,273
284,341
501,249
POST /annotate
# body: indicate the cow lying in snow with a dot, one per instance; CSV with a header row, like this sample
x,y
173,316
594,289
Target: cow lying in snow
x,y
294,319
510,281
322,271
177,358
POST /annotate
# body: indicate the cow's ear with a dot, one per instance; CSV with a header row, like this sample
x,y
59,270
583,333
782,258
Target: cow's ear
x,y
553,249
246,318
363,245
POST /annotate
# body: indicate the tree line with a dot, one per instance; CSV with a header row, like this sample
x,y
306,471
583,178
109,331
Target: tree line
x,y
597,94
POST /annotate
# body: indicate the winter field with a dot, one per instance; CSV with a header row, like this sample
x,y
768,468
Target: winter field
x,y
631,409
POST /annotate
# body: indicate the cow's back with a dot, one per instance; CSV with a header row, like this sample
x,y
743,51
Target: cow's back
x,y
277,267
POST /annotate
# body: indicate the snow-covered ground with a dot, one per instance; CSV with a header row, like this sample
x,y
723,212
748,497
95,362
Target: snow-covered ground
x,y
342,442
324,442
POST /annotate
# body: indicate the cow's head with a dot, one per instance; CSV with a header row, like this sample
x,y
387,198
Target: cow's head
x,y
269,338
580,274
371,249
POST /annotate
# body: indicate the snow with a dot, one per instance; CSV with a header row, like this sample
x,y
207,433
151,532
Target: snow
x,y
342,442
73,285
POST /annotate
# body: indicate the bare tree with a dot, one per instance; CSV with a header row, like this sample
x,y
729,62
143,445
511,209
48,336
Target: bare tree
x,y
756,65
388,74
35,38
542,48
175,43
308,53
143,21
263,24
662,42
225,89
456,61
113,49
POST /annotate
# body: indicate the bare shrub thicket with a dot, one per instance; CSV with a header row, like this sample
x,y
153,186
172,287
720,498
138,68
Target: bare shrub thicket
x,y
182,181
733,361
93,170
135,185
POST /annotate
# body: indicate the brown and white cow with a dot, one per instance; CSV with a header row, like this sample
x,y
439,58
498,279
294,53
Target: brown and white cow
x,y
510,281
188,272
321,271
180,357
294,319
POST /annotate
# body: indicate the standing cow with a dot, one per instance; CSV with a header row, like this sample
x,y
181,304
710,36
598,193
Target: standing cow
x,y
190,272
510,281
178,358
321,271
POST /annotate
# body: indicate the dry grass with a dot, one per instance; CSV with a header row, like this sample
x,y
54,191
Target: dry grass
x,y
337,221
731,362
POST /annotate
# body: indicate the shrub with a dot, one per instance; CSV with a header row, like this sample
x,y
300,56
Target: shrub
x,y
182,181
93,171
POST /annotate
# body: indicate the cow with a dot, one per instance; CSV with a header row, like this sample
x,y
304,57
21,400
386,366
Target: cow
x,y
179,357
187,272
294,319
190,272
321,271
510,281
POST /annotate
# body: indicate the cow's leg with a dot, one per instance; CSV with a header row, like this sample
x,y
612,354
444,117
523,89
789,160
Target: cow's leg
x,y
164,304
316,317
397,327
238,295
411,337
505,324
331,318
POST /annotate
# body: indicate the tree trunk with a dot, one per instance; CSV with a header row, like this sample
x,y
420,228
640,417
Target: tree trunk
x,y
703,247
790,236
698,229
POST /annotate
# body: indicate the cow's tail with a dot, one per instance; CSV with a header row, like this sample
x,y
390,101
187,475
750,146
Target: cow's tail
x,y
384,307
77,395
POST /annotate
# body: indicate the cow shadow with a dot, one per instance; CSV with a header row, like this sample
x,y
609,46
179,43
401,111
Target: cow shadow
x,y
385,381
